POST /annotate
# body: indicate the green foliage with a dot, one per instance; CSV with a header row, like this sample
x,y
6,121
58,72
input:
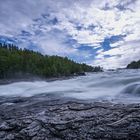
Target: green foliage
x,y
134,65
15,61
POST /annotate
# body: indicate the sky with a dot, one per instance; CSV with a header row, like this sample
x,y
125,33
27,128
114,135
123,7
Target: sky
x,y
96,32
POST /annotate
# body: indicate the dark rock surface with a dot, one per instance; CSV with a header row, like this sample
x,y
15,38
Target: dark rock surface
x,y
47,117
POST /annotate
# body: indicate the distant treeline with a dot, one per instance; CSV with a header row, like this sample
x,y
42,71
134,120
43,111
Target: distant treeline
x,y
15,61
134,65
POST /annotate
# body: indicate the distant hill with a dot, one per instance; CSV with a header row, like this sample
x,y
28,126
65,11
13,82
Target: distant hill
x,y
17,62
134,65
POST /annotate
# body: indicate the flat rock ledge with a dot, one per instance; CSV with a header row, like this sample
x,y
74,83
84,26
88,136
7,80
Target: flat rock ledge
x,y
46,117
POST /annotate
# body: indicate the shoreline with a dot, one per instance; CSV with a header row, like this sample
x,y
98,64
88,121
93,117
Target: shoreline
x,y
32,79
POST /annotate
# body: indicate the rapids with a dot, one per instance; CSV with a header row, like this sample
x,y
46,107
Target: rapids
x,y
119,86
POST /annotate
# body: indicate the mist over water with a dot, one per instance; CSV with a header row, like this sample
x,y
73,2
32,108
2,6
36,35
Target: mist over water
x,y
119,86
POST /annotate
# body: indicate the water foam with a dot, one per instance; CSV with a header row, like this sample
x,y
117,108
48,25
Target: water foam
x,y
107,85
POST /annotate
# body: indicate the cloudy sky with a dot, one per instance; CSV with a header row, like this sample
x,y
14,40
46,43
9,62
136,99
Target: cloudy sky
x,y
96,32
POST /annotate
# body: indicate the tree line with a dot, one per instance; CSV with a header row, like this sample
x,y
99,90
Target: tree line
x,y
134,65
14,61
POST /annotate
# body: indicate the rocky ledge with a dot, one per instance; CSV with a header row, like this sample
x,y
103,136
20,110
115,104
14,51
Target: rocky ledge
x,y
47,117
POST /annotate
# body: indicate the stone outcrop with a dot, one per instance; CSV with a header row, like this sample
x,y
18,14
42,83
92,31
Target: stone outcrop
x,y
47,117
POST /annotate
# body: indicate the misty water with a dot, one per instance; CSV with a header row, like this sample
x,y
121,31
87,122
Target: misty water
x,y
116,86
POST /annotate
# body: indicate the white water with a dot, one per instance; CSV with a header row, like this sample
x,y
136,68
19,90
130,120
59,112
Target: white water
x,y
121,85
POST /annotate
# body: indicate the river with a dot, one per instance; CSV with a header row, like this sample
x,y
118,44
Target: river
x,y
116,86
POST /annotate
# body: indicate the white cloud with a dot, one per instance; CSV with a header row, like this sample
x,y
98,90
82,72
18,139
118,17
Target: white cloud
x,y
105,18
120,56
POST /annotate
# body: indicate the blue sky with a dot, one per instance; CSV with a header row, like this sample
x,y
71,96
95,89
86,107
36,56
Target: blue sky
x,y
104,32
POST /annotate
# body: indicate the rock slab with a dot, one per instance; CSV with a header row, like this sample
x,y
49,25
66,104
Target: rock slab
x,y
47,117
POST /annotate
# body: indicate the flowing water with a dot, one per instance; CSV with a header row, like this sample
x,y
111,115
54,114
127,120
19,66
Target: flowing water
x,y
119,86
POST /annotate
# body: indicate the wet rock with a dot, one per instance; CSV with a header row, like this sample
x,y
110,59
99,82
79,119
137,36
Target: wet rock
x,y
10,137
5,127
50,118
31,130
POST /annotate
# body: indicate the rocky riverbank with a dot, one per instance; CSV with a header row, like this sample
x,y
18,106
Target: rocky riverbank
x,y
47,117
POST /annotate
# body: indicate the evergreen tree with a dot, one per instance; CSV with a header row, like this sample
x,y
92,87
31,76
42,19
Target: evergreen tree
x,y
14,61
134,65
